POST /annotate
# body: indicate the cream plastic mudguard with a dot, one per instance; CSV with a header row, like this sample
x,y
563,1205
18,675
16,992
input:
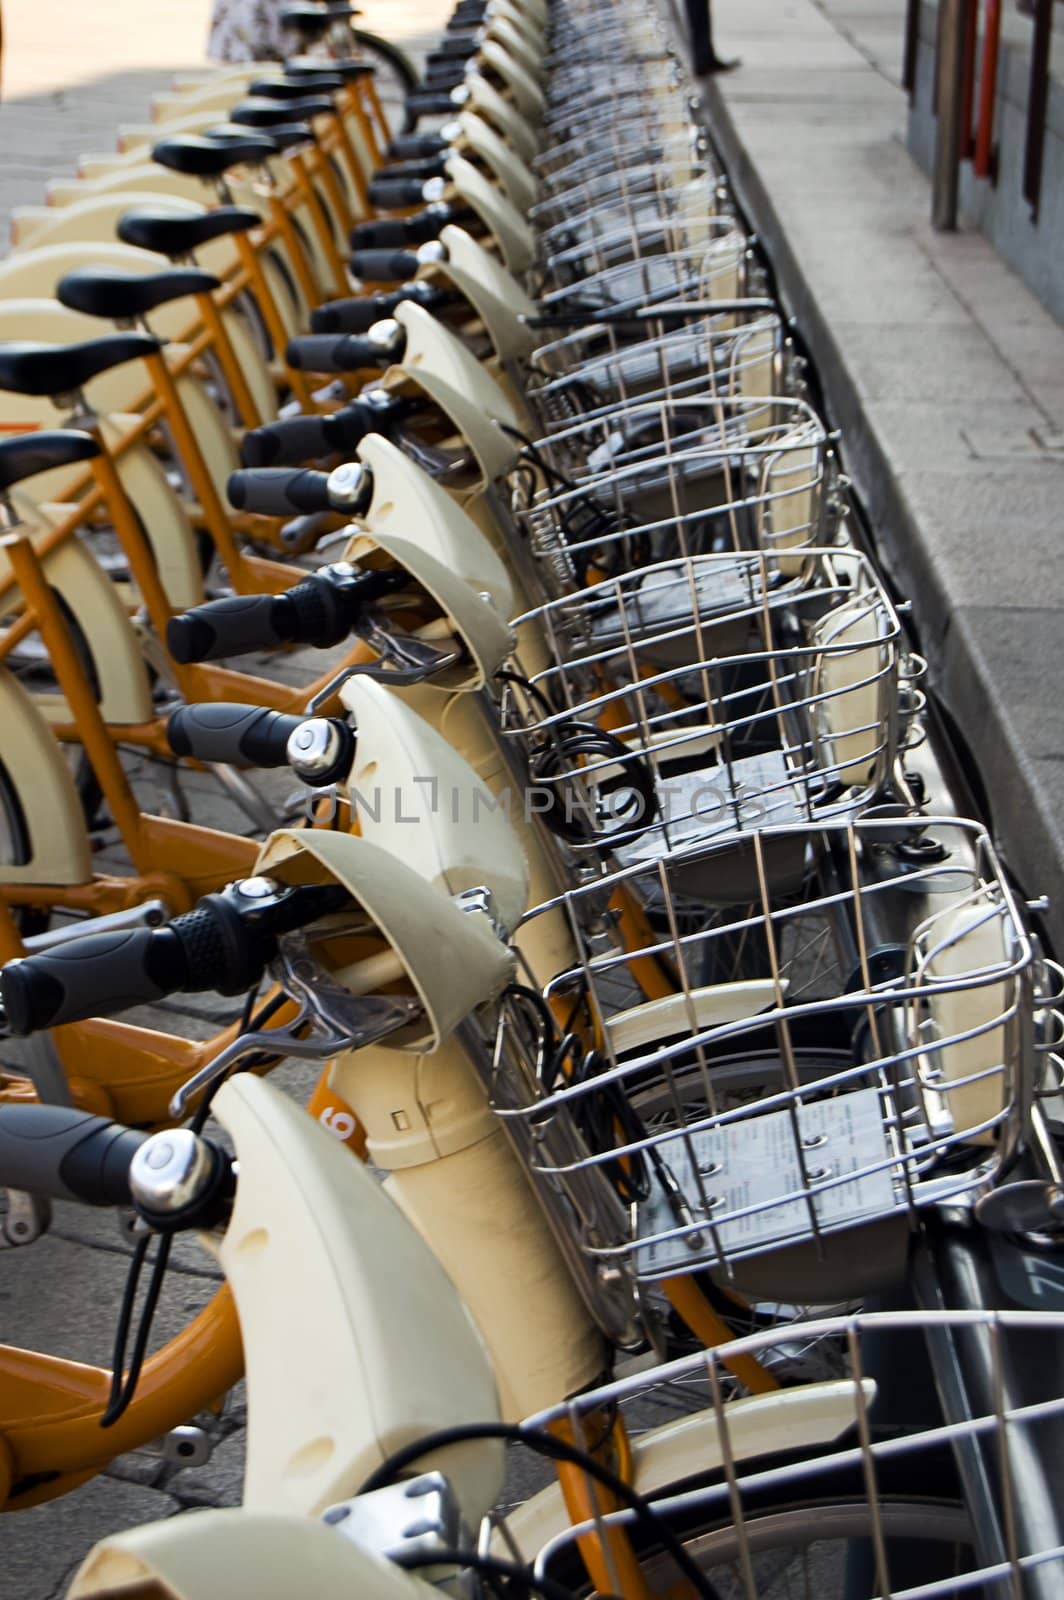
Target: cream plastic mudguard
x,y
792,1420
415,797
526,94
123,690
437,362
468,617
850,680
516,241
355,1341
973,1077
57,843
521,50
237,1555
407,503
483,97
409,936
517,180
502,304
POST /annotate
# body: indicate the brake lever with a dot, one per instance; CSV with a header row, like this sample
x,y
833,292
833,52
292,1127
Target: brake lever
x,y
402,660
331,1018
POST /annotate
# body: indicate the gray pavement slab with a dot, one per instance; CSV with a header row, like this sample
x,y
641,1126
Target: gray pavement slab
x,y
943,372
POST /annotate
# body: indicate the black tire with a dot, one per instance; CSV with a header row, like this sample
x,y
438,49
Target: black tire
x,y
396,77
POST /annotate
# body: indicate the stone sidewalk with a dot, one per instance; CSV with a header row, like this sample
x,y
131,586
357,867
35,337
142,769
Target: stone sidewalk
x,y
70,76
944,373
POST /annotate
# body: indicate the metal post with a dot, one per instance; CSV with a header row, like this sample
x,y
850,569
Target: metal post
x,y
950,96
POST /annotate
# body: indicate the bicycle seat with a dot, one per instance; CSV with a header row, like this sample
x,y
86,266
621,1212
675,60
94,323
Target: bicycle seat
x,y
106,292
345,67
314,20
282,137
29,367
276,113
29,453
200,157
318,83
172,235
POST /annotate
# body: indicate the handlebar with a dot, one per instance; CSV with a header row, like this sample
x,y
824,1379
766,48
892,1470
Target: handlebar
x,y
223,944
299,439
384,266
322,611
319,749
67,1154
325,352
403,233
284,491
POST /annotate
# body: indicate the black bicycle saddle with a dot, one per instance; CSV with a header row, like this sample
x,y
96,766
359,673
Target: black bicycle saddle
x,y
200,157
170,234
106,292
270,114
29,453
27,366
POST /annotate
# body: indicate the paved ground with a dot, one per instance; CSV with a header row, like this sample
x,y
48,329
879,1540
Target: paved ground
x,y
70,75
944,372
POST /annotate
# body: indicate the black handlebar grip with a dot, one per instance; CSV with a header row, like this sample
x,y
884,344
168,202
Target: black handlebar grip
x,y
290,442
384,266
278,491
416,146
325,352
67,1154
429,103
394,194
234,735
95,976
400,233
354,316
454,47
427,167
220,628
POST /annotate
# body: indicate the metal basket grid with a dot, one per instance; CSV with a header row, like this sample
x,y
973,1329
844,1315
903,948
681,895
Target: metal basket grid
x,y
715,270
769,1475
599,163
596,368
782,1038
633,126
637,196
610,240
737,695
659,480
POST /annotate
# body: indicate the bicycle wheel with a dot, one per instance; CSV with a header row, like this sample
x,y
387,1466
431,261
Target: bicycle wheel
x,y
826,1548
395,76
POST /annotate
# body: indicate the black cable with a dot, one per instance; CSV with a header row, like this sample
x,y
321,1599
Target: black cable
x,y
545,1444
123,1383
492,1565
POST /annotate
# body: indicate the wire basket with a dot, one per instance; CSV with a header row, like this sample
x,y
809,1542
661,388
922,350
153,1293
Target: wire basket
x,y
626,146
763,1045
694,701
724,354
864,1485
714,270
660,480
634,128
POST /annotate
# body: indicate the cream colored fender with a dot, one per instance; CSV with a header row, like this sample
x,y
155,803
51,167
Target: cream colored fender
x,y
415,797
117,659
787,1419
791,483
450,960
437,362
57,844
238,1555
498,298
355,1341
483,97
162,182
408,504
505,223
168,529
523,89
97,217
468,618
527,55
529,27
851,681
50,263
517,180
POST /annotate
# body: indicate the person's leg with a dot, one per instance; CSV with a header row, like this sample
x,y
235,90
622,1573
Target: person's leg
x,y
704,58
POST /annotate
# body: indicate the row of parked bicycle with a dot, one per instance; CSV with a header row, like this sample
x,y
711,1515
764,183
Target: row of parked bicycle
x,y
689,1065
